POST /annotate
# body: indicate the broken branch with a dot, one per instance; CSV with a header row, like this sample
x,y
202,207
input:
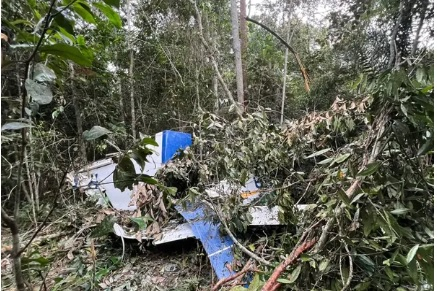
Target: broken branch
x,y
272,283
248,267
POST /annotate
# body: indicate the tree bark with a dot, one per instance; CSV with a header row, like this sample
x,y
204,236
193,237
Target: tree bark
x,y
77,113
237,53
131,69
284,84
419,28
392,58
13,226
211,55
243,37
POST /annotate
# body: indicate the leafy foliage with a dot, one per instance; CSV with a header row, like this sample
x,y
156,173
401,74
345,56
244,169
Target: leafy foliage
x,y
315,160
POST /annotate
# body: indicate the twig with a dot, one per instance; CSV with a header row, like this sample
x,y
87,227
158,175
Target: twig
x,y
296,56
48,215
272,283
243,248
351,270
246,268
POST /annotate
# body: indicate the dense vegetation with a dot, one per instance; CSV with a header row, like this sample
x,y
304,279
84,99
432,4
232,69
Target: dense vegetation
x,y
339,117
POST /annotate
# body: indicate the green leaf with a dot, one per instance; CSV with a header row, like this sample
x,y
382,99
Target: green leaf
x,y
400,211
113,16
63,22
147,179
284,281
15,125
426,147
295,274
342,158
171,190
321,152
255,284
323,265
412,271
370,169
366,262
84,12
140,222
342,195
149,141
95,132
39,93
325,161
412,253
42,73
113,3
67,52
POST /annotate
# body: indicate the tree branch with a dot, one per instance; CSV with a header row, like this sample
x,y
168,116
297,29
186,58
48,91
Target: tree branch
x,y
296,56
272,283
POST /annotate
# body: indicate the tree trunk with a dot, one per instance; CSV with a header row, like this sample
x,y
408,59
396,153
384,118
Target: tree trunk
x,y
393,53
131,69
237,53
13,226
419,28
77,113
284,84
243,37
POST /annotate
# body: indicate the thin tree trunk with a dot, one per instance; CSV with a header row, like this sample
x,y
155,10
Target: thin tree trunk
x,y
120,93
213,60
215,90
131,68
77,113
243,37
13,226
237,53
284,84
419,28
392,58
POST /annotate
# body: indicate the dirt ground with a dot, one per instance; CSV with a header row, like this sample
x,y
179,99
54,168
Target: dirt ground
x,y
181,265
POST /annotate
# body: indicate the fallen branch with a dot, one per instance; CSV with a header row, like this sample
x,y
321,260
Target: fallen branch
x,y
272,283
236,242
247,268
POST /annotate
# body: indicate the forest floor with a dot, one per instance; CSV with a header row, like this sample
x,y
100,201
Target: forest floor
x,y
64,256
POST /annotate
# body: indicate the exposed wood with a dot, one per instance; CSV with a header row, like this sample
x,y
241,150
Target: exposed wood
x,y
247,268
272,283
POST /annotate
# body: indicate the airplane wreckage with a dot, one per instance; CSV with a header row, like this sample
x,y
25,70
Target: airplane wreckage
x,y
97,179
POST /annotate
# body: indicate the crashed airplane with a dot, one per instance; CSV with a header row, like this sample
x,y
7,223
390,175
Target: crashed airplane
x,y
96,179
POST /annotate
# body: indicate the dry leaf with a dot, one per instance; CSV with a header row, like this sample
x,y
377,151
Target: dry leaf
x,y
70,255
139,236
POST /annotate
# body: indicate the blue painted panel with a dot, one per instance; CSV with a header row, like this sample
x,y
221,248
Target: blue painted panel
x,y
218,247
172,141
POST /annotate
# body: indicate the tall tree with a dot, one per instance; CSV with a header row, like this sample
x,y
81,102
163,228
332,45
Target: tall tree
x,y
237,52
131,68
243,38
